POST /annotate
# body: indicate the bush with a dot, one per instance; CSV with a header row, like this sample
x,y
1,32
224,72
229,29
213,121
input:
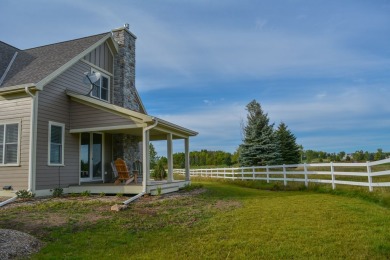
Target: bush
x,y
86,193
159,172
58,192
24,194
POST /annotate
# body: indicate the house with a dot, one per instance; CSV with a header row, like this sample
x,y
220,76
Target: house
x,y
57,131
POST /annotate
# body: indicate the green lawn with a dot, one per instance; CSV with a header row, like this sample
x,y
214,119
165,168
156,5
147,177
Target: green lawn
x,y
225,222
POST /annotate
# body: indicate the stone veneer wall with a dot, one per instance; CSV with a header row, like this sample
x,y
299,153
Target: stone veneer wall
x,y
127,147
124,71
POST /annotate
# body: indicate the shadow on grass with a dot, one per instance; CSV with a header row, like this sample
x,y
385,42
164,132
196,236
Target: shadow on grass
x,y
380,196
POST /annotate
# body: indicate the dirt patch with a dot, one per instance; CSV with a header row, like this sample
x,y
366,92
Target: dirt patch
x,y
227,204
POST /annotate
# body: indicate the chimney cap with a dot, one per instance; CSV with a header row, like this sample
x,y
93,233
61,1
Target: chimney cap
x,y
127,26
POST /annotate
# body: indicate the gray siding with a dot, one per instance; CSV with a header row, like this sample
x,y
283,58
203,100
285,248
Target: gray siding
x,y
101,57
17,108
54,105
83,116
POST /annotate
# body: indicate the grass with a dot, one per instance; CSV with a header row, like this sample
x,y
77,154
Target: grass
x,y
228,221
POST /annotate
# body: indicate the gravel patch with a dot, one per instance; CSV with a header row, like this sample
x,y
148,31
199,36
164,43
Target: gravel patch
x,y
15,244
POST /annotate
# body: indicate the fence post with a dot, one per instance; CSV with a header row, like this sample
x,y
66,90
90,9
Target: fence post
x,y
267,173
332,173
306,179
253,173
284,175
242,174
232,174
224,173
369,177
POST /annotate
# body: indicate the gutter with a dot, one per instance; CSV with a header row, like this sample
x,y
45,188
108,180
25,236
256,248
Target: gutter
x,y
145,156
16,89
32,143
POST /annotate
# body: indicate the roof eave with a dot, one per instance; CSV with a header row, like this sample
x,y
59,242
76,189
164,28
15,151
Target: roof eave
x,y
17,88
176,127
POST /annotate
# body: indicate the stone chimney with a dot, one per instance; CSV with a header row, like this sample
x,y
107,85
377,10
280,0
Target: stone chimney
x,y
125,94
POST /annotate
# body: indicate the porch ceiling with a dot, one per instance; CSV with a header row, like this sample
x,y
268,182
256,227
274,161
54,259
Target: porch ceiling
x,y
118,120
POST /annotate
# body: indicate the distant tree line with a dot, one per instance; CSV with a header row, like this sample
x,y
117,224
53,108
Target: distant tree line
x,y
311,156
204,158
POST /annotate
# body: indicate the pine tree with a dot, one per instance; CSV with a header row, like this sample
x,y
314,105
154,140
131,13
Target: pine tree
x,y
259,145
288,148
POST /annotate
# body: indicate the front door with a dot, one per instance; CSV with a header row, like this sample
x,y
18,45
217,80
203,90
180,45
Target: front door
x,y
91,150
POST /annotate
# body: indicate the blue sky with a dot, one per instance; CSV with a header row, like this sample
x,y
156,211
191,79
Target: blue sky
x,y
322,67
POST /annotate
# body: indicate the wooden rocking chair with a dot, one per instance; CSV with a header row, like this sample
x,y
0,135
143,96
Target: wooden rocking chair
x,y
122,172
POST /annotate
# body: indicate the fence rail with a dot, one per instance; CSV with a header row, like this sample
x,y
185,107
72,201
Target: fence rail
x,y
331,173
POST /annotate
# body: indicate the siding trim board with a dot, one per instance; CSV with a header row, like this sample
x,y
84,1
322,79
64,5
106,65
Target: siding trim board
x,y
109,128
97,67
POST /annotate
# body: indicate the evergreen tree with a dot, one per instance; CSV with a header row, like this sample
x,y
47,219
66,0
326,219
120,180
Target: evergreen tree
x,y
288,148
153,156
259,145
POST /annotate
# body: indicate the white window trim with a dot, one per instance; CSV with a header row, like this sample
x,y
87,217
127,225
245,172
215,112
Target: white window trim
x,y
10,122
109,85
51,123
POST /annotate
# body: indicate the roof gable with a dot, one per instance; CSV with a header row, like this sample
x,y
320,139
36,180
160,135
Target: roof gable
x,y
6,54
40,65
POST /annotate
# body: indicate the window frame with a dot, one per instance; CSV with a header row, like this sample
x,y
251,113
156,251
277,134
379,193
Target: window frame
x,y
4,124
49,163
100,87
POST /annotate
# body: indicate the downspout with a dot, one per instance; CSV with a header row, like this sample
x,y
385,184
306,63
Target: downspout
x,y
144,168
31,172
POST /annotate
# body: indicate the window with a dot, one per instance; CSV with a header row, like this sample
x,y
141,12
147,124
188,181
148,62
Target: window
x,y
101,90
56,144
9,144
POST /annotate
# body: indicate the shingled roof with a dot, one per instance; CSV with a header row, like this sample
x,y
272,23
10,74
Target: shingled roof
x,y
34,65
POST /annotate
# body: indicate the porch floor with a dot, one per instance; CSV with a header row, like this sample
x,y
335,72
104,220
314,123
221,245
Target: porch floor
x,y
153,187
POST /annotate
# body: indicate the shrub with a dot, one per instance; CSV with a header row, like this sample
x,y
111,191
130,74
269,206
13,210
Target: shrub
x,y
58,192
86,193
24,194
159,189
159,172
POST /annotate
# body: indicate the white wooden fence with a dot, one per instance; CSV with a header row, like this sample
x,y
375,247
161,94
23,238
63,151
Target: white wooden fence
x,y
305,173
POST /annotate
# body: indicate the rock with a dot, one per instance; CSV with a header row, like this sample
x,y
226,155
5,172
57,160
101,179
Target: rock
x,y
16,244
118,207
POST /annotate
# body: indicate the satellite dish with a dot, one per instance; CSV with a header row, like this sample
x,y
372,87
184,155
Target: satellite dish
x,y
91,77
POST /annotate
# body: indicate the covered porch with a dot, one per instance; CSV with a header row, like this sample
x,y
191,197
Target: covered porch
x,y
107,132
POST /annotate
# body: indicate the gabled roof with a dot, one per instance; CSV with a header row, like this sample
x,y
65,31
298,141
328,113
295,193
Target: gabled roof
x,y
38,65
6,54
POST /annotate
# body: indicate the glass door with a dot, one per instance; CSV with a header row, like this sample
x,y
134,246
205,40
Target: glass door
x,y
91,150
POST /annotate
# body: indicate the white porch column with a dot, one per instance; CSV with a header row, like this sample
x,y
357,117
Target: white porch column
x,y
170,157
145,159
187,157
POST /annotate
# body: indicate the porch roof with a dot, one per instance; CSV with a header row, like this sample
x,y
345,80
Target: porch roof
x,y
133,122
